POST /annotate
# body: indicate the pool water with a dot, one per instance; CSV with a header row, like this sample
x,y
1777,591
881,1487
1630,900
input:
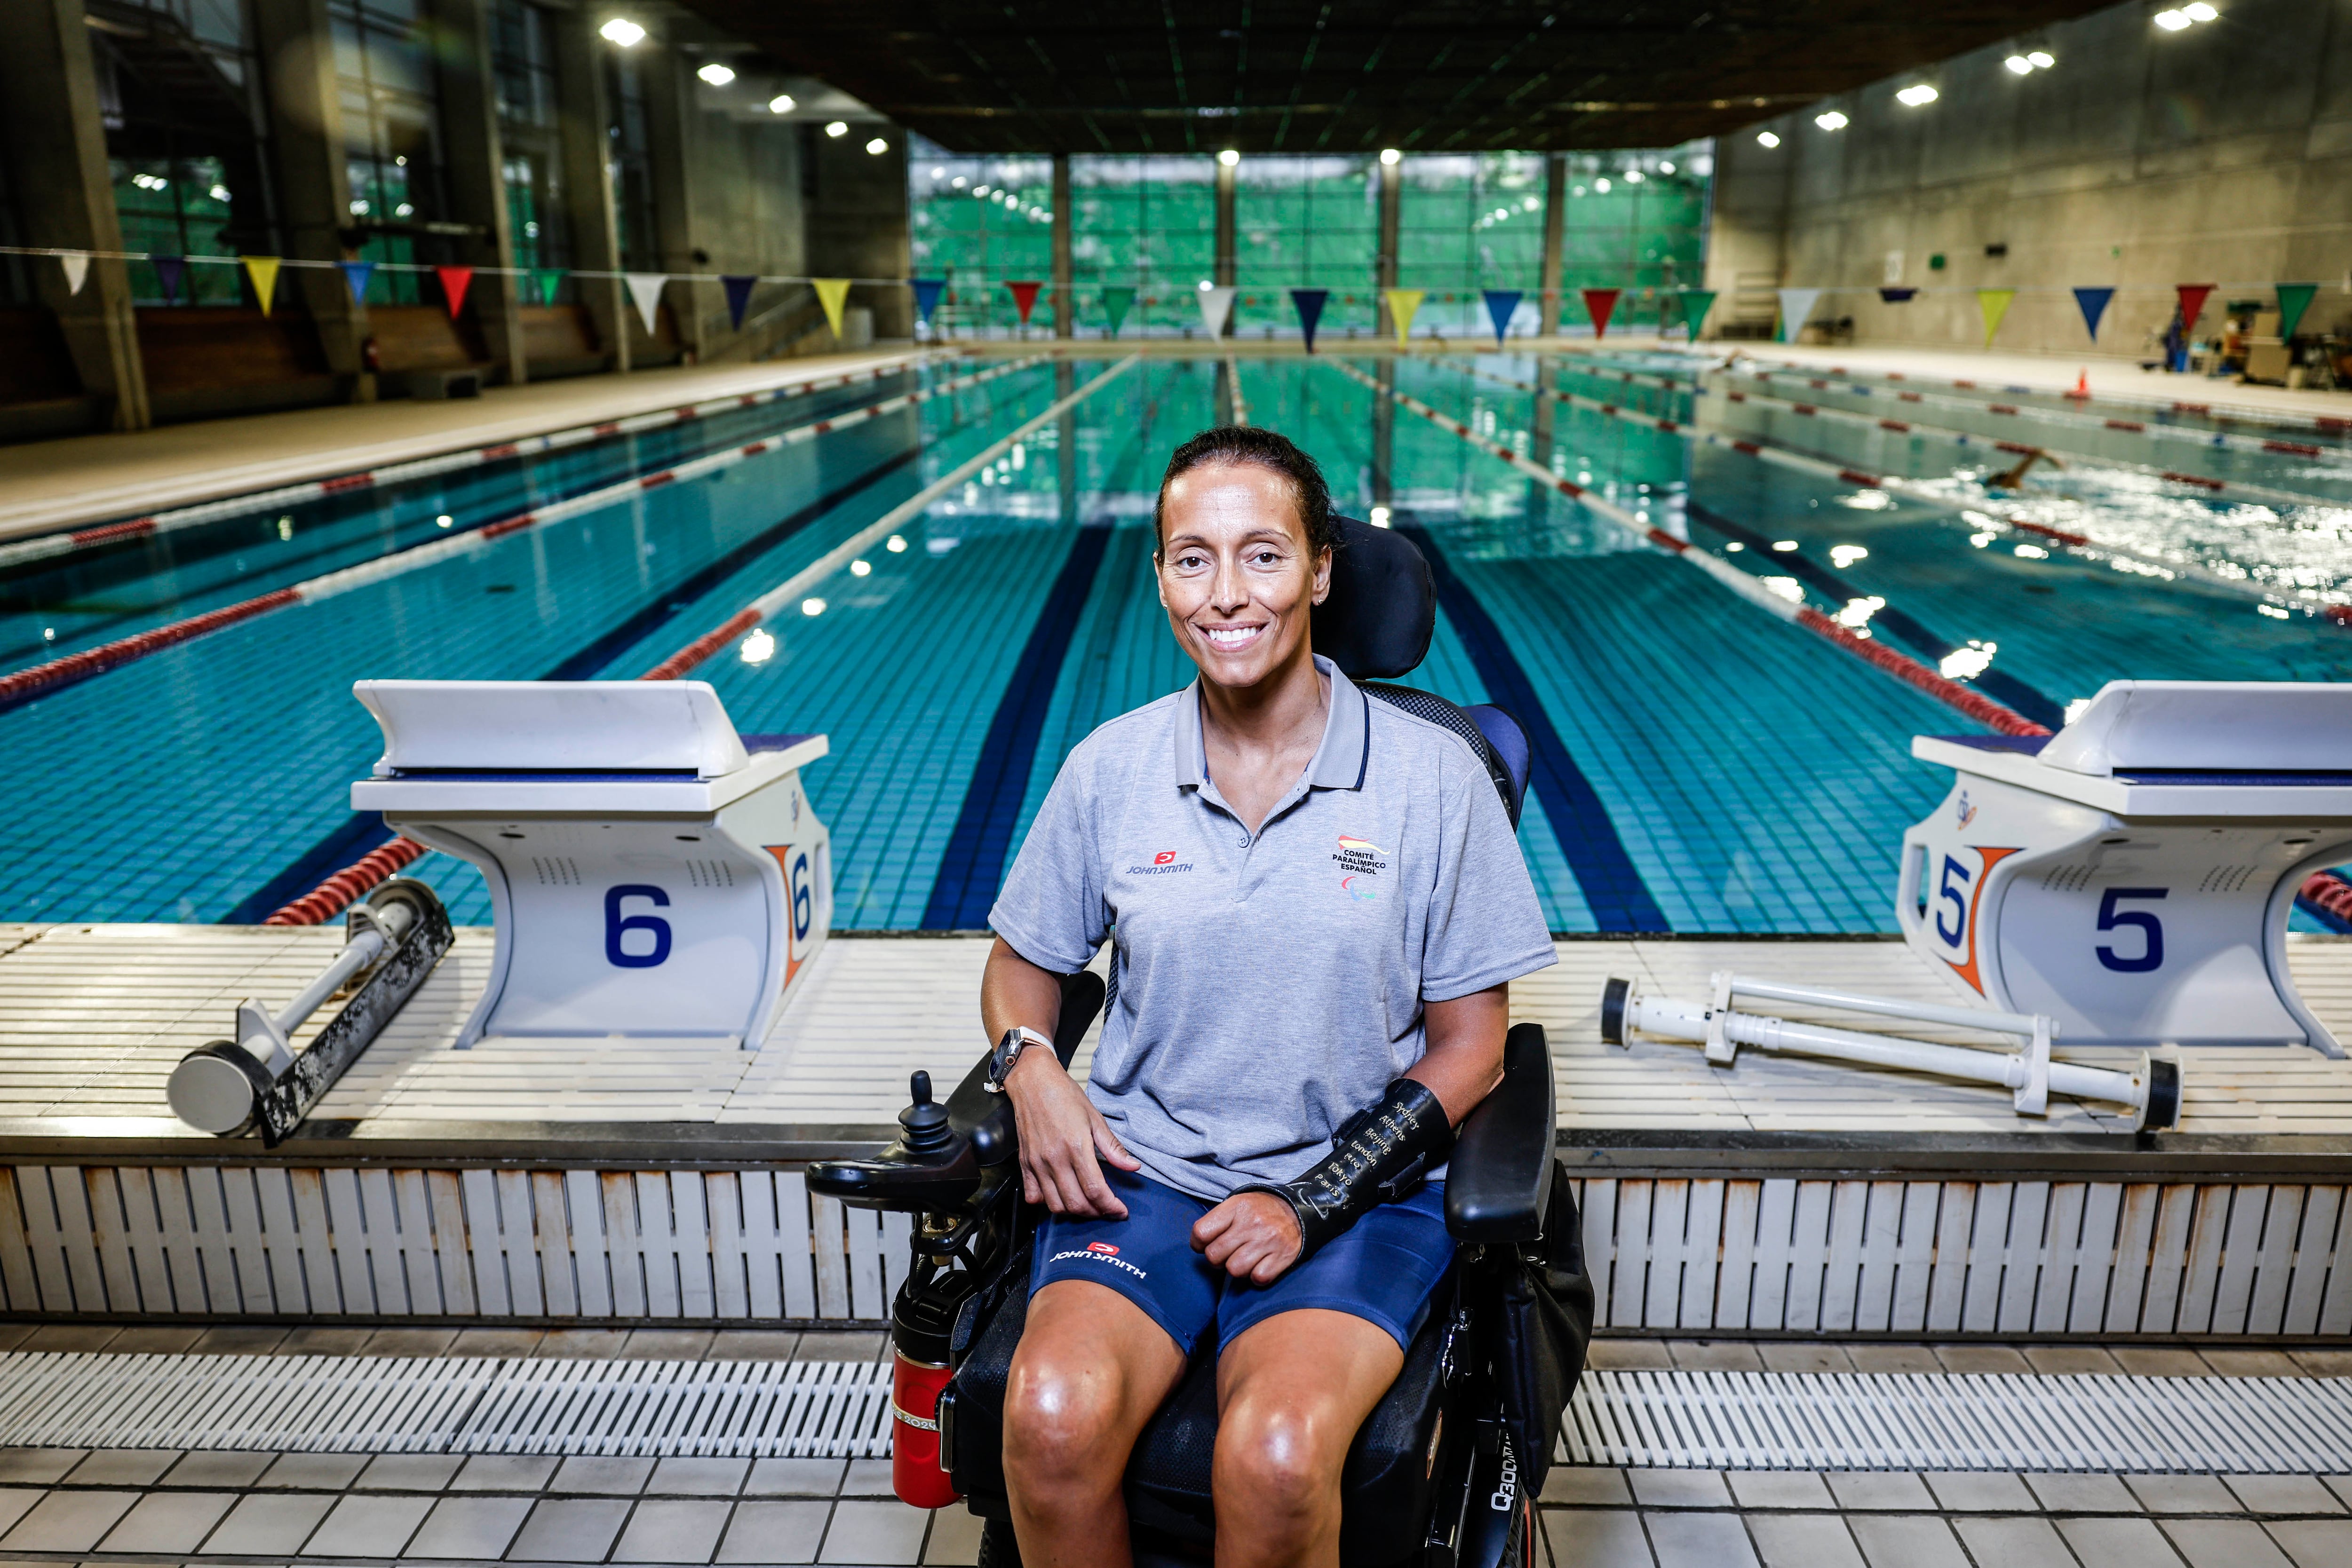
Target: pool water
x,y
1701,766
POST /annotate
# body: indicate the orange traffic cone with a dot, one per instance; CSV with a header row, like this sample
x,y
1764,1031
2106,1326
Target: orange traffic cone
x,y
2082,385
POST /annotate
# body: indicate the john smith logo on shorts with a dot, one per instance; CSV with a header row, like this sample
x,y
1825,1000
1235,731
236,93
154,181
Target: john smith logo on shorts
x,y
1100,1252
1104,1248
1162,863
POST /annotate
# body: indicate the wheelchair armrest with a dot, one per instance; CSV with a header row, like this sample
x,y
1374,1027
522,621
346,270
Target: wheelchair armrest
x,y
1499,1178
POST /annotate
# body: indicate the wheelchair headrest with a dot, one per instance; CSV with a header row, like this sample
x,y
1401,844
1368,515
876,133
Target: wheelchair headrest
x,y
1382,612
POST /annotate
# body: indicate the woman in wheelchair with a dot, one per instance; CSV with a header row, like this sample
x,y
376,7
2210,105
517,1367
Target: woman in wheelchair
x,y
1317,903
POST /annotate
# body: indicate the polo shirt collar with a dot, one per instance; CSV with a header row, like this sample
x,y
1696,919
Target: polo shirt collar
x,y
1339,763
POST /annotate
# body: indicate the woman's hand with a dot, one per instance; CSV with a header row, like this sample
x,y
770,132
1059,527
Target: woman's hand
x,y
1061,1135
1253,1236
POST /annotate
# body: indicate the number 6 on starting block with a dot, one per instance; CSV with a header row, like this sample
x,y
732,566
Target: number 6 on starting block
x,y
652,874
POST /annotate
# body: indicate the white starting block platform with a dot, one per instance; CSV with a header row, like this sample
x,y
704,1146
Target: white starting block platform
x,y
570,1180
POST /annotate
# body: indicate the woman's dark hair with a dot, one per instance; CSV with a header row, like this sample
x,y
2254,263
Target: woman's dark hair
x,y
1229,446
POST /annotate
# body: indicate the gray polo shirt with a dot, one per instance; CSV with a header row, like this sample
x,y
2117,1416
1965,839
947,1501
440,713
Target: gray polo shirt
x,y
1266,987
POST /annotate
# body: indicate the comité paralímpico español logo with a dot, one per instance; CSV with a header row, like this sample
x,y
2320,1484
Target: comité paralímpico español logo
x,y
1360,860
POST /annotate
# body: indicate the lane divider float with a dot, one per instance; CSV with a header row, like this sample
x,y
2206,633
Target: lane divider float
x,y
1974,704
20,687
356,879
16,552
1911,489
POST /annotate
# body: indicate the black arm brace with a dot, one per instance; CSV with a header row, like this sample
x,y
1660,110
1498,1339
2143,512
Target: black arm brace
x,y
1378,1155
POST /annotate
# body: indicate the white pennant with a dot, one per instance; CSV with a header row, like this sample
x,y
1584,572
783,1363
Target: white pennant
x,y
77,268
646,289
1795,304
1216,304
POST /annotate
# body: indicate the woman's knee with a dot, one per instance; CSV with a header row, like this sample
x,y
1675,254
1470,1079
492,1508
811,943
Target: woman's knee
x,y
1278,1459
1062,1416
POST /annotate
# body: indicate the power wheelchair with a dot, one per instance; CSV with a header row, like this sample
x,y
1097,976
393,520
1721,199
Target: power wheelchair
x,y
1445,1472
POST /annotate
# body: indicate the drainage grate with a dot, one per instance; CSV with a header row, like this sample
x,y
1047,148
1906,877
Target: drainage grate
x,y
457,1405
1940,1421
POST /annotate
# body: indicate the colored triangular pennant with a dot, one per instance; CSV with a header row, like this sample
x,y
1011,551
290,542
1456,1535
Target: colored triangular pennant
x,y
2192,302
646,292
77,266
1696,303
1500,304
356,275
1896,296
2295,298
1795,304
1024,296
2093,303
737,288
263,270
1994,304
1402,303
454,281
927,296
1117,300
168,272
1216,308
832,293
1309,302
549,278
1598,304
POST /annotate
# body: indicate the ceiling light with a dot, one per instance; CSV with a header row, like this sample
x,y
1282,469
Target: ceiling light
x,y
2171,21
1766,139
2018,64
1391,156
1832,120
837,128
878,147
2042,58
1206,286
958,182
716,74
1531,204
1229,157
781,103
1601,186
1917,94
2197,10
1632,176
622,31
1666,168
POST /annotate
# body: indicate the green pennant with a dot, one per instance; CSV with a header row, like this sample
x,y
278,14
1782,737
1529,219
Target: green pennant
x,y
1117,300
1696,303
2295,298
548,278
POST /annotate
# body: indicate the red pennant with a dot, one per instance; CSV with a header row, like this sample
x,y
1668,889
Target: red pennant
x,y
2192,300
1598,304
1024,296
454,282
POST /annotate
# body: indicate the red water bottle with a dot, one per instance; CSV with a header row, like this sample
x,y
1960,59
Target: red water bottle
x,y
916,1473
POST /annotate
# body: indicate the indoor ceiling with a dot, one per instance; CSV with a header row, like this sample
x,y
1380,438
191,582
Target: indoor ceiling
x,y
1353,76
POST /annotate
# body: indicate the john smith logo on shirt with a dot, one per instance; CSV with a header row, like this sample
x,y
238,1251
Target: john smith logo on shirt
x,y
1360,860
1162,863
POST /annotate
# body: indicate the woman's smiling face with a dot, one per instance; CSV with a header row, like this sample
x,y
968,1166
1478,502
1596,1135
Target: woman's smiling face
x,y
1236,571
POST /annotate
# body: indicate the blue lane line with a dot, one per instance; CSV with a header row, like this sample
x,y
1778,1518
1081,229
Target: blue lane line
x,y
974,863
1612,888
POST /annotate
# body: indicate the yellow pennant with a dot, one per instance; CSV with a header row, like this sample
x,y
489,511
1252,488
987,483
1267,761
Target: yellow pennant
x,y
263,270
832,293
1994,303
1402,303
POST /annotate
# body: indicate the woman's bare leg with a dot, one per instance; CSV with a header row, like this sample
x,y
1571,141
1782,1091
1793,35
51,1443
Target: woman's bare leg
x,y
1091,1369
1291,1392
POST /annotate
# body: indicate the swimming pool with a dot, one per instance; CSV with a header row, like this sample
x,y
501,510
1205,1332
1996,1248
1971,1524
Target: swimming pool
x,y
1703,767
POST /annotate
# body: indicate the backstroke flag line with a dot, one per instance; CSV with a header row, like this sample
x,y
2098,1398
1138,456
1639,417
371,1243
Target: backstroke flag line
x,y
2093,305
1216,305
356,274
263,270
927,296
1795,304
1024,296
1994,304
1117,300
1598,304
1500,304
1696,303
644,292
77,266
2295,298
739,296
832,293
1309,302
1402,303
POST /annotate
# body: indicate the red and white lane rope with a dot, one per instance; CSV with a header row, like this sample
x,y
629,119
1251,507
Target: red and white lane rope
x,y
355,880
21,685
1968,511
16,552
792,588
1974,704
2232,487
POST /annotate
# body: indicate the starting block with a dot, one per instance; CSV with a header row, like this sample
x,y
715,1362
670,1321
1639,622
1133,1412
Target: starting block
x,y
2130,876
653,873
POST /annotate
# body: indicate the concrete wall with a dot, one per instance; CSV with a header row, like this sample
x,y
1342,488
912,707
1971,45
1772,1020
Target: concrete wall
x,y
2143,159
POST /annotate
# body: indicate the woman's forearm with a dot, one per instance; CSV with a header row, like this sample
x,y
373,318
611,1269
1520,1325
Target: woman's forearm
x,y
1016,994
1465,1057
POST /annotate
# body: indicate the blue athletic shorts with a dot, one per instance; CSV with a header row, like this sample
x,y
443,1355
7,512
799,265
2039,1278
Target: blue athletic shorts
x,y
1382,1269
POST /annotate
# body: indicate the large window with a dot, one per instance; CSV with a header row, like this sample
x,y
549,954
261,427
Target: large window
x,y
392,139
981,222
179,94
632,164
522,59
1306,222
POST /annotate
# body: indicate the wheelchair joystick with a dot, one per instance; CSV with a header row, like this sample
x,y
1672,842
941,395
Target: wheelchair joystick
x,y
923,1125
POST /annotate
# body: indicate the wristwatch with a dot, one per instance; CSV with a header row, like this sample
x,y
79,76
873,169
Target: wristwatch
x,y
1008,1051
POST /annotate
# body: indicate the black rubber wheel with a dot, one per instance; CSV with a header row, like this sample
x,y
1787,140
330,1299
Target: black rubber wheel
x,y
997,1547
1613,1011
2163,1094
